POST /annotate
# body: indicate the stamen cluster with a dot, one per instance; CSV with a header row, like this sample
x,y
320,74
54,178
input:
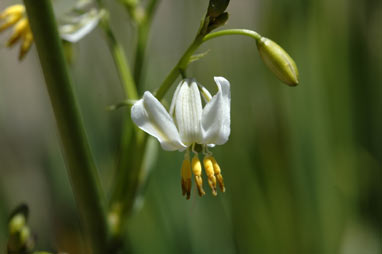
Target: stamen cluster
x,y
15,16
211,168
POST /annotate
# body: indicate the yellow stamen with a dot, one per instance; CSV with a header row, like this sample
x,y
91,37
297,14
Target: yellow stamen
x,y
218,175
18,31
208,166
186,178
11,15
26,45
197,170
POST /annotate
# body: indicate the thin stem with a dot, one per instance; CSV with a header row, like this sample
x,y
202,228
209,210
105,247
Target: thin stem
x,y
124,193
121,63
81,168
245,32
181,66
133,142
143,22
143,31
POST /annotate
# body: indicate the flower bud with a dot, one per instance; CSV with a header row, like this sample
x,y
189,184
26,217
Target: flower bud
x,y
20,238
22,210
278,61
217,7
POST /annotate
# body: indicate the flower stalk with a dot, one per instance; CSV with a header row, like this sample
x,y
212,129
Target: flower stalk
x,y
120,60
225,32
133,143
179,68
143,29
81,168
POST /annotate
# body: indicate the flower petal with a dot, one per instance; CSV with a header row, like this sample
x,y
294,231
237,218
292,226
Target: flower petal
x,y
216,119
80,26
150,116
174,98
188,112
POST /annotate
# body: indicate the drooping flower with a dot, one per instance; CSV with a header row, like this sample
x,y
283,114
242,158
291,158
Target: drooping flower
x,y
15,16
190,126
79,22
74,25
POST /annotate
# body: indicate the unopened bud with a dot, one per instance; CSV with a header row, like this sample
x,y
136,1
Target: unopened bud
x,y
278,61
217,7
17,223
19,216
20,238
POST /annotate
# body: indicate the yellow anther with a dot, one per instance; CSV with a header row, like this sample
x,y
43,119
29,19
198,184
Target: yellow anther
x,y
11,15
218,174
16,9
19,31
26,44
197,170
208,166
186,178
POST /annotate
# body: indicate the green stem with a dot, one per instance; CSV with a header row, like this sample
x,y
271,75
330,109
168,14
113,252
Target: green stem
x,y
125,190
245,32
127,139
133,143
143,32
80,165
120,61
184,60
179,68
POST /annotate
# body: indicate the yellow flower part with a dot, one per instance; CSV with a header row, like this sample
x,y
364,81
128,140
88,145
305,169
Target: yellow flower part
x,y
11,15
186,176
197,170
15,16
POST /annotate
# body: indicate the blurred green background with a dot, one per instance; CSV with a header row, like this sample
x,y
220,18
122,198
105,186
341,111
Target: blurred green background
x,y
302,166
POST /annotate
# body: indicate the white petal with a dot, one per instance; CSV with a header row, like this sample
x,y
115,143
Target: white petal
x,y
150,116
80,26
188,112
216,118
174,98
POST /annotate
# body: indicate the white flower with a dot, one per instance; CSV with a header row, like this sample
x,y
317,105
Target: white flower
x,y
77,24
189,125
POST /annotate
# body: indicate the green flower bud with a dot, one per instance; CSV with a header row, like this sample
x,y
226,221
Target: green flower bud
x,y
20,238
18,218
17,223
217,7
278,61
21,242
25,236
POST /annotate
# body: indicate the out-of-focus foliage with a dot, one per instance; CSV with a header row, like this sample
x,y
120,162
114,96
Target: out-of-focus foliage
x,y
302,166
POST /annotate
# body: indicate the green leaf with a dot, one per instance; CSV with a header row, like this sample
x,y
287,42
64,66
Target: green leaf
x,y
197,57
